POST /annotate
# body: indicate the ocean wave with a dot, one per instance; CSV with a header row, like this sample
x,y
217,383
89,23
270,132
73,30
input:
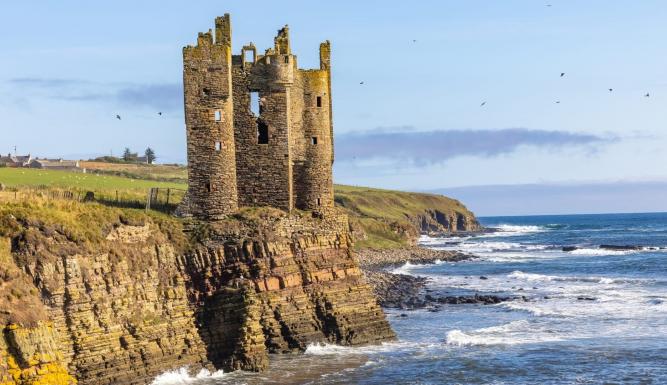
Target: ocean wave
x,y
513,333
601,252
531,277
326,349
181,376
505,230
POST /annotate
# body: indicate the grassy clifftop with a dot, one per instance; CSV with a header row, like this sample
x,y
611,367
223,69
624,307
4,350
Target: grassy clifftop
x,y
379,218
388,219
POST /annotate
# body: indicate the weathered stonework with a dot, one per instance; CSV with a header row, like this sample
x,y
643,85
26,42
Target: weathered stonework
x,y
283,145
210,124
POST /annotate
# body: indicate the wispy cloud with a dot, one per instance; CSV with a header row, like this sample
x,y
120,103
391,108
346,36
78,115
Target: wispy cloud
x,y
163,97
431,147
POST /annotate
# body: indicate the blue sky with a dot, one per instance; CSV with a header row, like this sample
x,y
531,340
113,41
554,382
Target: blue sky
x,y
70,66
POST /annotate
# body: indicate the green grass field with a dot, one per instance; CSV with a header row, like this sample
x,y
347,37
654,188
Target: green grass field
x,y
379,213
26,177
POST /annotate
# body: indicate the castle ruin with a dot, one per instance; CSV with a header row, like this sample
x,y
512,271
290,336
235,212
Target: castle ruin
x,y
259,129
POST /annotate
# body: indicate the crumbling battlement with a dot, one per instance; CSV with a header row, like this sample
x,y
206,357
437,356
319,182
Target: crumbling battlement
x,y
259,129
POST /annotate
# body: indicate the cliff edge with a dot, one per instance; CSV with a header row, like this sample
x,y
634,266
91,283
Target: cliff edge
x,y
384,219
102,295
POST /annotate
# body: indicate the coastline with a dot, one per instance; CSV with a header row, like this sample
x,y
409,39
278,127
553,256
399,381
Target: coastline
x,y
378,260
407,292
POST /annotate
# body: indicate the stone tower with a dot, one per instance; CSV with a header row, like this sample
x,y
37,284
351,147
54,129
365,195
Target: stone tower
x,y
283,143
258,119
209,121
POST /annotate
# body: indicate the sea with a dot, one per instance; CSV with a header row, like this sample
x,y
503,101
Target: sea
x,y
587,316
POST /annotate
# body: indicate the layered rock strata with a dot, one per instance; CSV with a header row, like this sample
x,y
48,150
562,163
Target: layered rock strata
x,y
139,302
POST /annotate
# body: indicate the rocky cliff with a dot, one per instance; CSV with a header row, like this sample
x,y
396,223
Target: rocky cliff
x,y
108,296
391,219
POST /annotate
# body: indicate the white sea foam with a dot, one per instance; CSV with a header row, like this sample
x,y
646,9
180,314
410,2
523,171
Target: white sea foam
x,y
513,333
324,349
601,252
181,376
506,230
530,277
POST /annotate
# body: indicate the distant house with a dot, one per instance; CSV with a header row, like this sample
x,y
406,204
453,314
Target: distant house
x,y
54,164
15,160
142,159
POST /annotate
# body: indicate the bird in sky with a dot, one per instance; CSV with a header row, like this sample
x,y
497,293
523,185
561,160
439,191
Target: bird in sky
x,y
414,40
548,5
118,117
648,95
160,113
361,82
562,74
483,104
557,101
611,89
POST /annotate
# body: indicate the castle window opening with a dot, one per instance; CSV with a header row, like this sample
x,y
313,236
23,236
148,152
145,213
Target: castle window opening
x,y
206,92
313,140
218,146
255,107
218,115
248,56
286,59
262,132
319,101
208,187
319,202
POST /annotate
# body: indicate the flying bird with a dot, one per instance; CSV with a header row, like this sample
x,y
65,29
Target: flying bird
x,y
611,89
562,74
647,95
160,113
118,117
483,104
414,40
557,101
361,82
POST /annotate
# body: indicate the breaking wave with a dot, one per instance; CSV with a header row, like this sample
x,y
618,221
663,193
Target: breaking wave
x,y
181,376
513,333
531,277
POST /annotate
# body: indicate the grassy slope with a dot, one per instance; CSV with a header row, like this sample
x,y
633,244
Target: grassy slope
x,y
381,212
382,215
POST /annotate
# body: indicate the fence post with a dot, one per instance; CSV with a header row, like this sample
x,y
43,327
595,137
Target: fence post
x,y
148,199
168,193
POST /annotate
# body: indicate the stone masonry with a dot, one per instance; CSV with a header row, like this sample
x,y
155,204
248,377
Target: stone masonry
x,y
259,129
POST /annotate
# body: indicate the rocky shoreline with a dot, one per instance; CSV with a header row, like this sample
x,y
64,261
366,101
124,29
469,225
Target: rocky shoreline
x,y
370,259
406,292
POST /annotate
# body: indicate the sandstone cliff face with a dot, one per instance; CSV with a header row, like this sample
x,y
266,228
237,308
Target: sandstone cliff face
x,y
452,221
141,300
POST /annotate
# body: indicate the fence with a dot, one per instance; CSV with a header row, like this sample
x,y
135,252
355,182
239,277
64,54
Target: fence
x,y
164,199
158,199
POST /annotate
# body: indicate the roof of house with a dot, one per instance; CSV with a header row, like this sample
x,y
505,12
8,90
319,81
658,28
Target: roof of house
x,y
56,163
22,159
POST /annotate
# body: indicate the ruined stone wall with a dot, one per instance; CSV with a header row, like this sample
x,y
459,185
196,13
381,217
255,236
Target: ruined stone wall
x,y
313,174
283,152
209,119
264,170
